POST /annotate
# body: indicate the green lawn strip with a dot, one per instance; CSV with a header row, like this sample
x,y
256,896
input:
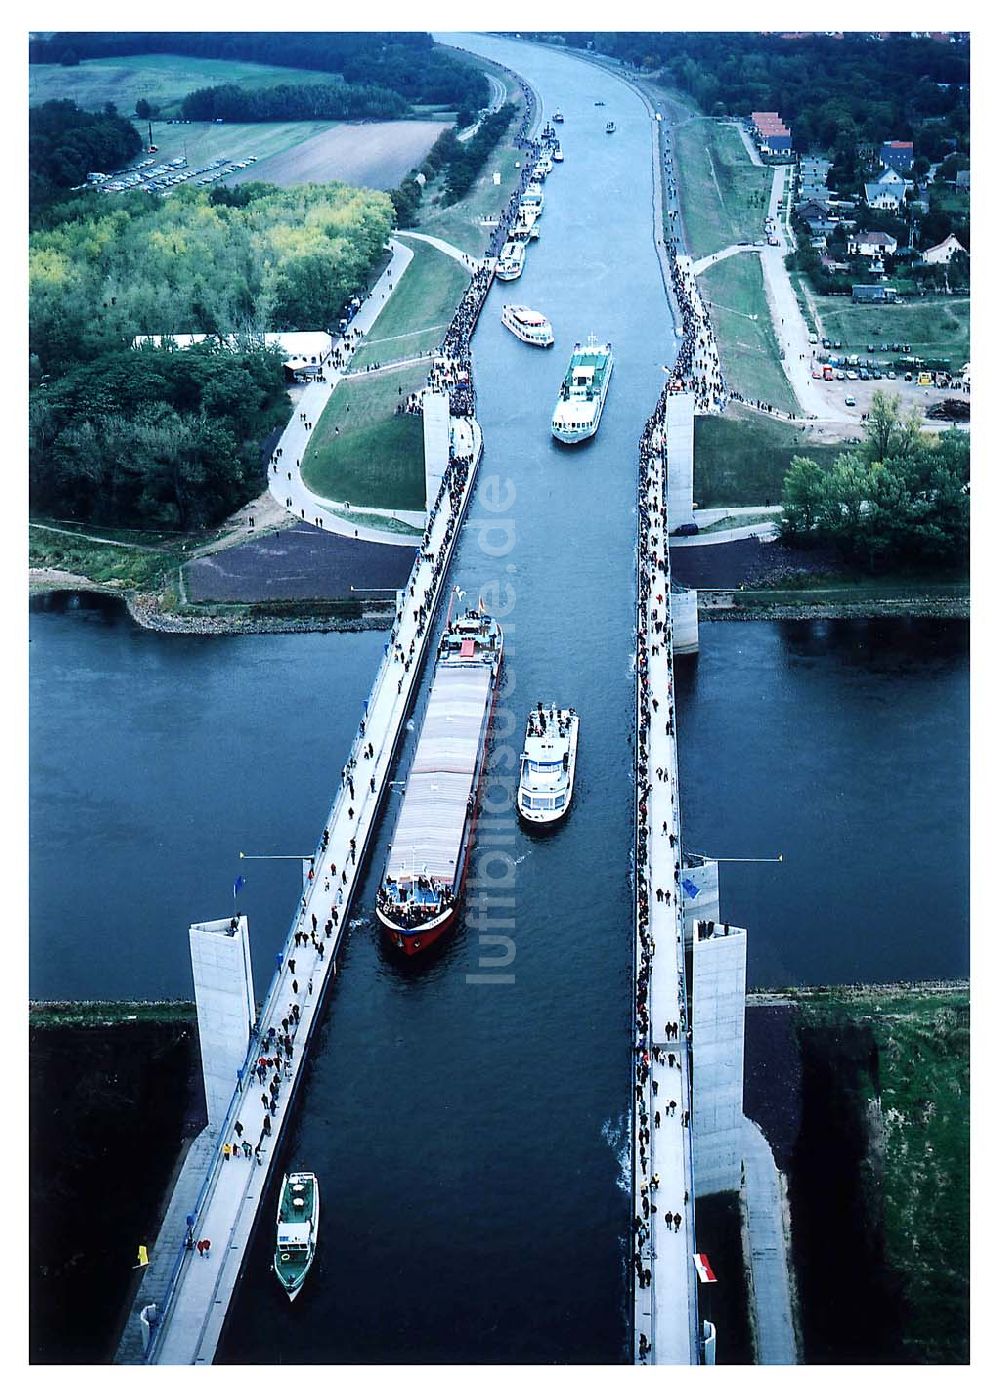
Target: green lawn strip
x,y
935,327
742,458
372,521
53,1014
724,196
750,355
376,457
203,142
416,314
923,1091
164,79
740,521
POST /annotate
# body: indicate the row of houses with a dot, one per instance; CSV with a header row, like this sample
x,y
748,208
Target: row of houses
x,y
771,133
892,190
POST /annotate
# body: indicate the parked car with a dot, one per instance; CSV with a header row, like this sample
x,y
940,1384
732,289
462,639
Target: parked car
x,y
891,374
685,529
837,344
826,343
841,374
876,373
864,375
850,401
812,339
852,373
817,374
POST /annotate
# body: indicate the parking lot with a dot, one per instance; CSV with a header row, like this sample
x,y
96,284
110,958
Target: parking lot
x,y
156,177
848,373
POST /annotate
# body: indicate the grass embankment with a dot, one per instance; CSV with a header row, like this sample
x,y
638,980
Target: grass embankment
x,y
417,313
936,327
118,558
55,1014
361,450
916,1098
724,196
461,223
163,79
734,292
742,458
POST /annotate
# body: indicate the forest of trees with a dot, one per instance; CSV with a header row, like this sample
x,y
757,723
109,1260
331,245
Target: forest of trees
x,y
833,92
172,438
899,500
293,102
65,144
411,65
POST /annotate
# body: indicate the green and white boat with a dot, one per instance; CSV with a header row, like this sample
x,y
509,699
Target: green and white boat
x,y
581,398
298,1226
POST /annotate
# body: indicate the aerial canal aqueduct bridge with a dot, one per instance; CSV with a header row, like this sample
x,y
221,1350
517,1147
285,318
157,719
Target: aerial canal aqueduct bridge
x,y
183,1297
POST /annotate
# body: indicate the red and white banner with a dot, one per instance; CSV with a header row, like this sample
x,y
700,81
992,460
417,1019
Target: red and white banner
x,y
703,1267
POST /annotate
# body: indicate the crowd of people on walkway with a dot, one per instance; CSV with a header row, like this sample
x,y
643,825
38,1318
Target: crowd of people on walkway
x,y
697,368
656,1047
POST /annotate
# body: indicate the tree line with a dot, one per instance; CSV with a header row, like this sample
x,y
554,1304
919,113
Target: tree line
x,y
167,437
458,162
411,65
65,144
833,92
293,102
900,499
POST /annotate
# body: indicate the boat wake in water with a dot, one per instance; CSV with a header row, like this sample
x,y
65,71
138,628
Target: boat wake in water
x,y
616,1135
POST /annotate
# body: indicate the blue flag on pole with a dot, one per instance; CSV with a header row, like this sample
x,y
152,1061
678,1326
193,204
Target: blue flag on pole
x,y
240,881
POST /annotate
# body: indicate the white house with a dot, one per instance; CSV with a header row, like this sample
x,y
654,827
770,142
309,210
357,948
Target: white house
x,y
871,245
883,196
889,176
943,252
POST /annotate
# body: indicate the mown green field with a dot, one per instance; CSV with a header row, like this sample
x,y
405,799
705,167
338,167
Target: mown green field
x,y
202,142
933,327
163,79
127,558
921,1099
751,363
724,197
742,458
362,451
418,311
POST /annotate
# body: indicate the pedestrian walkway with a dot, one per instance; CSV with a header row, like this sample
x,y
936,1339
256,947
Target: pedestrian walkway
x,y
666,1318
200,1287
285,481
766,1214
471,264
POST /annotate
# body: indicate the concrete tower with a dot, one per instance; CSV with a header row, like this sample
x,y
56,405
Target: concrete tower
x,y
223,992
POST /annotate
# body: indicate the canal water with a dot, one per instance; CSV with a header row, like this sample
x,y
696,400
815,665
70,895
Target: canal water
x,y
469,1130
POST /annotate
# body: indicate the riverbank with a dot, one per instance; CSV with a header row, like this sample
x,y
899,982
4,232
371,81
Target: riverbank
x,y
114,1096
826,605
864,1093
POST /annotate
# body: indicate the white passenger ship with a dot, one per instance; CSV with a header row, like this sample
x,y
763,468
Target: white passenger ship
x,y
548,764
583,393
528,325
511,263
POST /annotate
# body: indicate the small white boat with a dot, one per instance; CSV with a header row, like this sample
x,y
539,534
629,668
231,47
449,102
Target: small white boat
x,y
511,263
557,155
610,128
298,1227
528,325
548,764
558,116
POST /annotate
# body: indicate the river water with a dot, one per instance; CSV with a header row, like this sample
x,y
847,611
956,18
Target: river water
x,y
470,1134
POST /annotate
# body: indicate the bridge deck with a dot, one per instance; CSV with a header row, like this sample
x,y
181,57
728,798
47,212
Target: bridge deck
x,y
201,1288
666,1309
